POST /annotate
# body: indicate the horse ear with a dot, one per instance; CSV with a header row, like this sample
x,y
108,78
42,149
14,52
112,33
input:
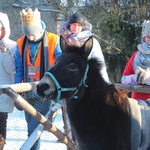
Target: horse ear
x,y
63,44
87,47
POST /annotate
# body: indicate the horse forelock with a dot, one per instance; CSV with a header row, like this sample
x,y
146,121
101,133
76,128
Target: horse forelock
x,y
71,49
73,56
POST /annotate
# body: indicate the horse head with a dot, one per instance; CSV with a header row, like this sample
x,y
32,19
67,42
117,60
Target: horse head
x,y
68,74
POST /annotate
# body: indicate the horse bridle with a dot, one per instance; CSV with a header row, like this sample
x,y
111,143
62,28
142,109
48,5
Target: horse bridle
x,y
61,89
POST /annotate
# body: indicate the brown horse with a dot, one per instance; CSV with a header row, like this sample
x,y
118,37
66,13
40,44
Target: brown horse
x,y
99,112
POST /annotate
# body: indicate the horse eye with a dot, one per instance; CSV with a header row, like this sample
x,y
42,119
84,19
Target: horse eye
x,y
73,67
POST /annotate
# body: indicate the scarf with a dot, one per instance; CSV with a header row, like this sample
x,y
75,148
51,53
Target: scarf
x,y
142,57
44,58
76,39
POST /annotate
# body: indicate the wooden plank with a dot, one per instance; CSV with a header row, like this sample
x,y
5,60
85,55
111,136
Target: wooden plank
x,y
136,88
20,87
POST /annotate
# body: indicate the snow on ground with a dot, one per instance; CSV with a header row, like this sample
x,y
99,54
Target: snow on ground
x,y
17,133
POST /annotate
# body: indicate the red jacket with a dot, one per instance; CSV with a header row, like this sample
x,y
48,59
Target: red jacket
x,y
130,70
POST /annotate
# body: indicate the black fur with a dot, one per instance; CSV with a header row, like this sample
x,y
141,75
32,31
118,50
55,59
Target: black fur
x,y
100,116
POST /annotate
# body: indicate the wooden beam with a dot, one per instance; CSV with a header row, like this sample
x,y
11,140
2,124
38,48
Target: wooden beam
x,y
134,88
20,87
39,117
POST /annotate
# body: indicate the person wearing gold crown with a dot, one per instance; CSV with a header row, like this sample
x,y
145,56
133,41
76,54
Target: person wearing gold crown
x,y
137,70
36,52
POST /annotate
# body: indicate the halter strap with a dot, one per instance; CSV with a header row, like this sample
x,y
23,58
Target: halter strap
x,y
60,89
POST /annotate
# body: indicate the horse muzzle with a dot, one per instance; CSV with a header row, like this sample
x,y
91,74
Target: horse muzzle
x,y
46,87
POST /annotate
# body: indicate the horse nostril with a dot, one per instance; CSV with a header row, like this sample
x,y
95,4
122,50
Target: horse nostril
x,y
41,88
45,87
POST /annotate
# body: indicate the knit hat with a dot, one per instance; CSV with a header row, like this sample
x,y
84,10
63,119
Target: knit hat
x,y
31,21
79,18
146,28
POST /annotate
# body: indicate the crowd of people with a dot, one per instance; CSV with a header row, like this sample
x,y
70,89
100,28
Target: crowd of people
x,y
36,51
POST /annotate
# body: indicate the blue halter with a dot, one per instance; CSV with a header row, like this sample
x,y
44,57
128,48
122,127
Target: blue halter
x,y
60,89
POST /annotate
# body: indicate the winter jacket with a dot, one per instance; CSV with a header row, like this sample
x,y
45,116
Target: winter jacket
x,y
53,53
78,39
7,65
129,70
97,52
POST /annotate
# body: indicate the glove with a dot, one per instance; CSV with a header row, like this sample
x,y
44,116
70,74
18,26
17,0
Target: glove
x,y
130,79
143,76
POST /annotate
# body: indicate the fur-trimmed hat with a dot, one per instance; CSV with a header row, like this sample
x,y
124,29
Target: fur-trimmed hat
x,y
31,21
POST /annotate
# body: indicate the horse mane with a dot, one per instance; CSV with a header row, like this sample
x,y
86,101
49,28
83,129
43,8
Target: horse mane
x,y
113,95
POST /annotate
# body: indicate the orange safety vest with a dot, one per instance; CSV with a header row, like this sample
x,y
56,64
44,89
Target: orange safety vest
x,y
52,42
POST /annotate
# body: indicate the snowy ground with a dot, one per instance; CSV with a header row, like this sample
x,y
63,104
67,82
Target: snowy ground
x,y
17,133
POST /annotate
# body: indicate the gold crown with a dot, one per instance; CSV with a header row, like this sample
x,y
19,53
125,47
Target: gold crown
x,y
146,27
29,17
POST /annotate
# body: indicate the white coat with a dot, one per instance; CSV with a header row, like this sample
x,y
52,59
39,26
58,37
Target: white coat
x,y
7,65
